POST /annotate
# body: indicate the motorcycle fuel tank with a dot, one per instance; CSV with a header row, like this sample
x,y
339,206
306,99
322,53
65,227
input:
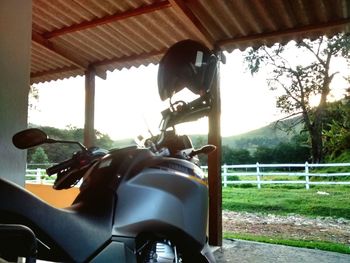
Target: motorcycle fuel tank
x,y
163,197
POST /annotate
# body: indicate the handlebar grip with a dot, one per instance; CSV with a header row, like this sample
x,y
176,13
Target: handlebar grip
x,y
59,167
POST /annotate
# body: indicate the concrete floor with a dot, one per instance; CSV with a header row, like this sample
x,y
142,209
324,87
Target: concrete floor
x,y
253,252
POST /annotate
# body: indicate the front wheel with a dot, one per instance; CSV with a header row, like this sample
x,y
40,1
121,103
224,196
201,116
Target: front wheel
x,y
166,252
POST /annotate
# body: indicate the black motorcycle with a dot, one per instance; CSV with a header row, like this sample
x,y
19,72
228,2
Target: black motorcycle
x,y
136,204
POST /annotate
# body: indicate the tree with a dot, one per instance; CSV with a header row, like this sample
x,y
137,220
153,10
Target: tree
x,y
39,156
337,133
235,156
33,97
264,155
300,82
58,153
293,151
226,154
241,156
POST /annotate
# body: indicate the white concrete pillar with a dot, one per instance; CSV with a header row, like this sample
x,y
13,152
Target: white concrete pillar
x,y
15,42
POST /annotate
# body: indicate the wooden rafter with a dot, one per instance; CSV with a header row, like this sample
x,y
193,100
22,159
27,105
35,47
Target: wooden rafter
x,y
64,54
190,20
108,19
58,51
284,33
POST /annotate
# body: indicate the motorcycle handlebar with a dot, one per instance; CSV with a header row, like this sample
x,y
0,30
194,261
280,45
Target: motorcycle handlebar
x,y
186,112
79,159
60,167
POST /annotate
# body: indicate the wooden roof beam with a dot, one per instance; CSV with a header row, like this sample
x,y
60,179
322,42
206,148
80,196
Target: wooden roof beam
x,y
190,20
60,52
64,54
287,32
108,19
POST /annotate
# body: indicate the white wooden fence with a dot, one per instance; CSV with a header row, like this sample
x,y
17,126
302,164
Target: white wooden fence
x,y
38,176
264,174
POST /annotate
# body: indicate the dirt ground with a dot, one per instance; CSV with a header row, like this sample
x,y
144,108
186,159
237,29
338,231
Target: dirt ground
x,y
288,227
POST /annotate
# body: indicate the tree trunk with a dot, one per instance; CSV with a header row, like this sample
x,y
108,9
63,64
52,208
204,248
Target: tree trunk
x,y
316,144
315,132
317,125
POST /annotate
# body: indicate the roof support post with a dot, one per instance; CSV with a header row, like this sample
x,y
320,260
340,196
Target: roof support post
x,y
89,130
214,166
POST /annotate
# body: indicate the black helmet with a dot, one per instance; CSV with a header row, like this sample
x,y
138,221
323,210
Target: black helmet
x,y
185,64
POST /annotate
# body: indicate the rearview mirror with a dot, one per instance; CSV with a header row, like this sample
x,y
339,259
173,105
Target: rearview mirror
x,y
29,138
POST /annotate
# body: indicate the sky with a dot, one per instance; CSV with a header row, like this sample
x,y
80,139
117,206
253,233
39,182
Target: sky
x,y
127,103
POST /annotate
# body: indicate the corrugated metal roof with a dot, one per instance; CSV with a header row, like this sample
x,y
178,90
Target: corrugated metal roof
x,y
69,36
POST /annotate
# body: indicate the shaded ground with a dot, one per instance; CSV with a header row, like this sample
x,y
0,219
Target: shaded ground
x,y
253,252
288,227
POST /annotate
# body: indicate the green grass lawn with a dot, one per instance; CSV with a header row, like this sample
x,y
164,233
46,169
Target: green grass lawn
x,y
283,201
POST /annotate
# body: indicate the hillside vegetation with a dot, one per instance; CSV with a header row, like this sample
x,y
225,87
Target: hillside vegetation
x,y
268,136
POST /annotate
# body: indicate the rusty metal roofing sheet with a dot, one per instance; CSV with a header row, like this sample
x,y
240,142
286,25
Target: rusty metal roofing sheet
x,y
69,36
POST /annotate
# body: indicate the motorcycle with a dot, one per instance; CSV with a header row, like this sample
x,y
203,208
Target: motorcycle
x,y
136,204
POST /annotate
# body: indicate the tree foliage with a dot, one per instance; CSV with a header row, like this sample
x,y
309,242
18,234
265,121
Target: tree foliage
x,y
337,132
294,151
300,82
33,97
235,156
39,156
57,153
263,155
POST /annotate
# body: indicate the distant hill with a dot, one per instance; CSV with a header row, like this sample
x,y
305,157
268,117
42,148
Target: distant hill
x,y
268,136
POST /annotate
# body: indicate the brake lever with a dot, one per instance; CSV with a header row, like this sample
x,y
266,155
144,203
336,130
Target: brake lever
x,y
206,149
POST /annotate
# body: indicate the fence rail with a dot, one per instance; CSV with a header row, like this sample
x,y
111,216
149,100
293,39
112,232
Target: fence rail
x,y
38,176
263,174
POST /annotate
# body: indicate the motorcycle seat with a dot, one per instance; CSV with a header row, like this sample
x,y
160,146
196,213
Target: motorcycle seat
x,y
70,230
